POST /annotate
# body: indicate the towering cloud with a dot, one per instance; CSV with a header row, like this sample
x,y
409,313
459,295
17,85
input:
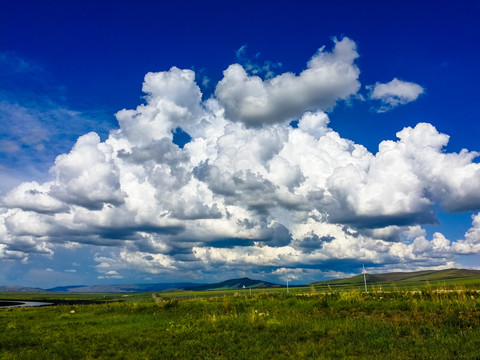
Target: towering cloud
x,y
248,190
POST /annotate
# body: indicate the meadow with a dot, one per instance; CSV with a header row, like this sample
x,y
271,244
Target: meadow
x,y
306,323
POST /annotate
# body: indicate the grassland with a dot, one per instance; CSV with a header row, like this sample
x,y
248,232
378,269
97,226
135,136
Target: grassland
x,y
441,279
307,323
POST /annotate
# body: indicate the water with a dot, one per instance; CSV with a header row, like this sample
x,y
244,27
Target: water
x,y
4,304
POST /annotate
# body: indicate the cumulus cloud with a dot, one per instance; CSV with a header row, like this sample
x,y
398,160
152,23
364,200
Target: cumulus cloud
x,y
471,243
242,197
394,93
329,77
31,196
86,176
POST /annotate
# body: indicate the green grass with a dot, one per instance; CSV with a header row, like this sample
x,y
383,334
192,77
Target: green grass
x,y
417,279
304,324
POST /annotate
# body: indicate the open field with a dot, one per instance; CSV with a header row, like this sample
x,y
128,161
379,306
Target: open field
x,y
307,323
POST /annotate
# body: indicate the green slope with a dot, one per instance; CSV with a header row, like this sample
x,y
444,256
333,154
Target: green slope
x,y
450,275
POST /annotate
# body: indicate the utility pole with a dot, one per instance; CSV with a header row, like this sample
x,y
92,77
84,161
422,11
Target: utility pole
x,y
365,278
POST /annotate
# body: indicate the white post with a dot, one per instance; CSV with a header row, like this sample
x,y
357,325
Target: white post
x,y
365,278
287,284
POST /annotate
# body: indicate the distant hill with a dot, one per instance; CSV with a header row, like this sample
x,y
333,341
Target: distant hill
x,y
399,277
20,289
235,284
122,288
135,288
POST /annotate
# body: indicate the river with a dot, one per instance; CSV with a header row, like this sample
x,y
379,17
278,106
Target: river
x,y
4,304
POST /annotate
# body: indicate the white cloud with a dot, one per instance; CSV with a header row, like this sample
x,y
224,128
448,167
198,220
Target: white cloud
x,y
87,176
34,197
7,254
111,274
238,196
173,101
329,77
394,93
471,243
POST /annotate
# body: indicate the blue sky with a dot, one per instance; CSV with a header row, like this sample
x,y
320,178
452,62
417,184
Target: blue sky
x,y
249,194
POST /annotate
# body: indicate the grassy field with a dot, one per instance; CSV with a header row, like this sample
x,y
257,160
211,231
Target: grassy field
x,y
305,324
445,279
